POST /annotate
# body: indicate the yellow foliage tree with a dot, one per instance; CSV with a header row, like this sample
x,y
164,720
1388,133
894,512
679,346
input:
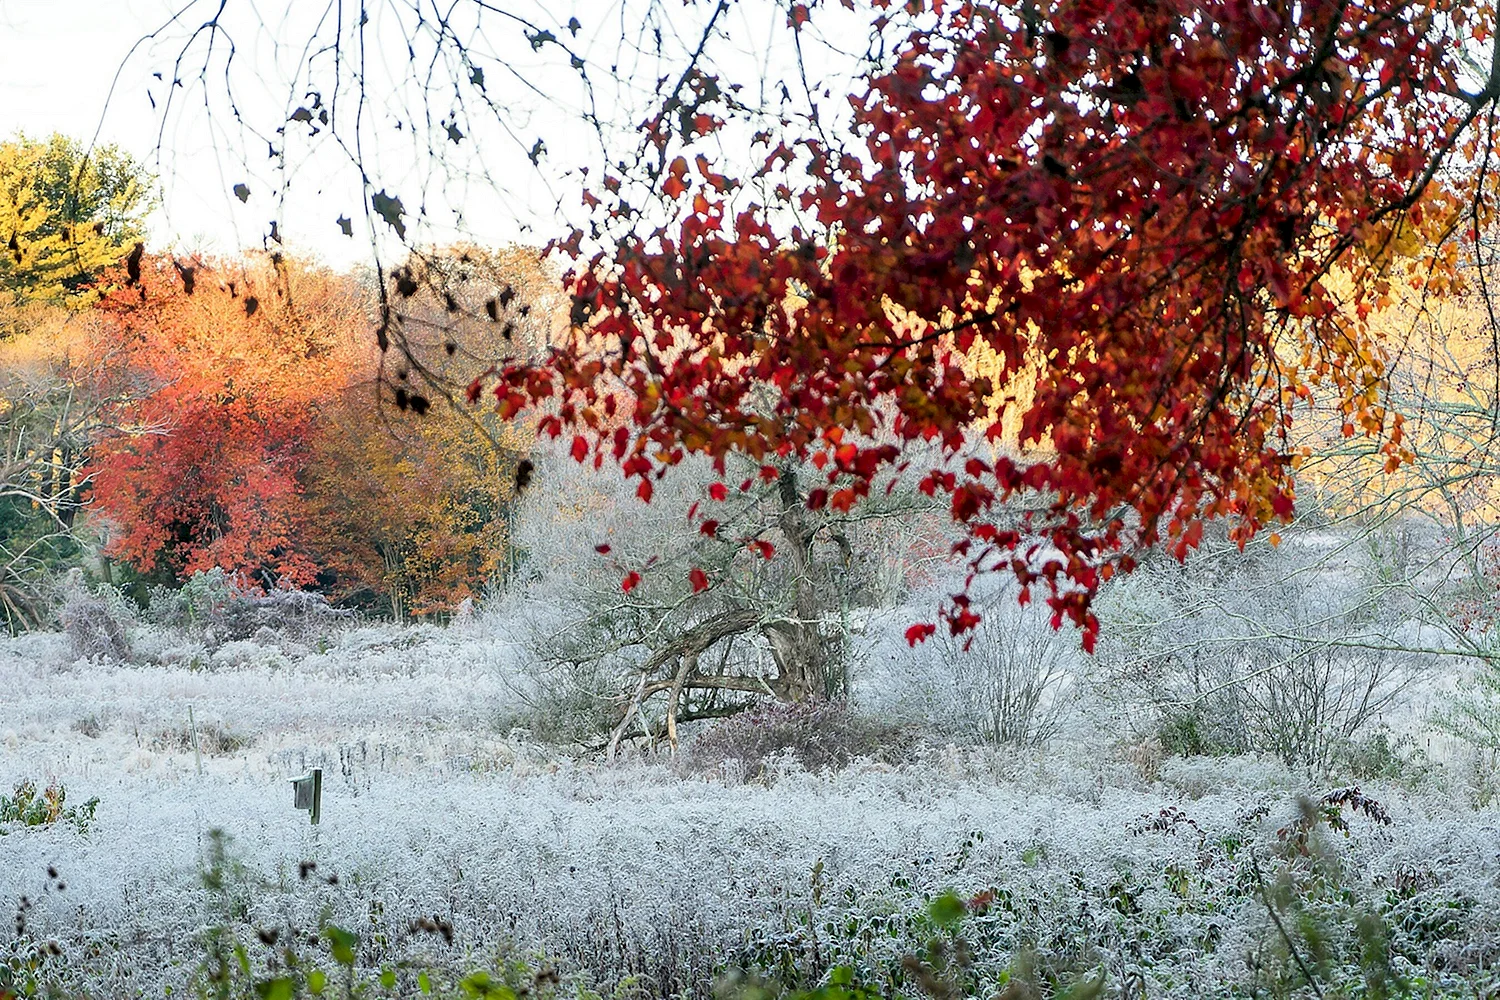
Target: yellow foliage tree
x,y
413,496
65,215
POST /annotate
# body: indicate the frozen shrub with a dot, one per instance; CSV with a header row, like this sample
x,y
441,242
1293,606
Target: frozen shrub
x,y
1382,755
1258,650
89,726
96,622
564,705
1473,713
1194,732
821,736
193,605
299,615
1012,681
1010,677
212,604
249,653
29,805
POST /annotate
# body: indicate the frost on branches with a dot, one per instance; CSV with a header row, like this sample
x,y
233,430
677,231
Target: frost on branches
x,y
1163,224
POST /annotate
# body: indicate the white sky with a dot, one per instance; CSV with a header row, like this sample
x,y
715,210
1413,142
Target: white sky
x,y
59,58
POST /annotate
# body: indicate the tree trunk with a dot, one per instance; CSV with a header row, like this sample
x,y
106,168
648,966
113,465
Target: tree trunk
x,y
810,664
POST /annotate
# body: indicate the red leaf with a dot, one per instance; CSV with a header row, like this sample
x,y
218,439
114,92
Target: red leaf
x,y
603,550
674,185
698,579
631,581
919,633
718,491
580,448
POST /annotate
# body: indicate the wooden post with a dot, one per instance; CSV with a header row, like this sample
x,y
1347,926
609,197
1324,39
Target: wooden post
x,y
193,729
307,793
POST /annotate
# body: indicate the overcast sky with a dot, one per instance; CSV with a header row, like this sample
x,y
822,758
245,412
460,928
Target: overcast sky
x,y
59,60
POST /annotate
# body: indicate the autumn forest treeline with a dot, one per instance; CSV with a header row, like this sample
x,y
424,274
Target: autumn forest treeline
x,y
169,413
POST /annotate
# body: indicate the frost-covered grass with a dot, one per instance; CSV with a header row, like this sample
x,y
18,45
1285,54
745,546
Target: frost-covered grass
x,y
407,693
436,813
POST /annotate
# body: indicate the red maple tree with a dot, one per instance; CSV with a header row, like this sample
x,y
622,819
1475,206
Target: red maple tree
x,y
1167,221
220,373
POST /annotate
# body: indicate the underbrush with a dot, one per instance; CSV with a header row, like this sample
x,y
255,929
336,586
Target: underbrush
x,y
918,882
29,806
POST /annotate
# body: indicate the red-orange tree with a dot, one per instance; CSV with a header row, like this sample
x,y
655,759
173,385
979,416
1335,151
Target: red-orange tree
x,y
223,371
1135,205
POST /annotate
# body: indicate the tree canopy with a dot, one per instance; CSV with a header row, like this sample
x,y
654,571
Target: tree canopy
x,y
66,214
1139,209
1100,253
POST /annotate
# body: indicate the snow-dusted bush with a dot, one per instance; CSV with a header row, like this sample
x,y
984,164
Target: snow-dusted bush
x,y
1011,681
96,622
210,604
1472,713
213,739
1289,651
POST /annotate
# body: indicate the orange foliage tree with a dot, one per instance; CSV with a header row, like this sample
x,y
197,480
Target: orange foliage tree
x,y
227,369
252,436
413,511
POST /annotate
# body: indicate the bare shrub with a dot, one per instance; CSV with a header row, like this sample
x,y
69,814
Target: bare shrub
x,y
89,726
96,622
821,736
1010,681
567,704
1285,652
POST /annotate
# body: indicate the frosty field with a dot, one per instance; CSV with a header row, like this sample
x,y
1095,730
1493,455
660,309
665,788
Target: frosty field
x,y
455,843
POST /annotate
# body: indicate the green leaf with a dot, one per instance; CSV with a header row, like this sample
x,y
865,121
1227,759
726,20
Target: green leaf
x,y
242,192
480,986
341,943
316,980
476,77
424,983
391,210
275,989
946,910
242,958
388,977
540,38
1087,989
